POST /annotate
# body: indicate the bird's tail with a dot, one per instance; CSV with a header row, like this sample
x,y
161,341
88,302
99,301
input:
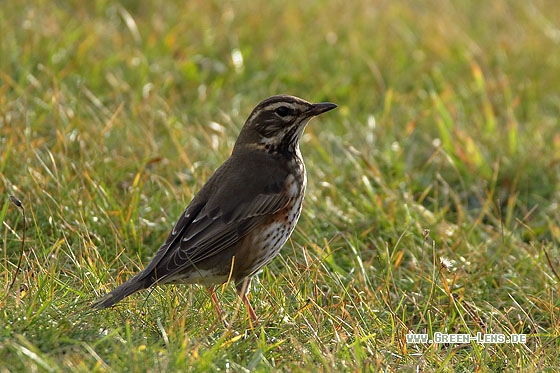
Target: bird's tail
x,y
133,285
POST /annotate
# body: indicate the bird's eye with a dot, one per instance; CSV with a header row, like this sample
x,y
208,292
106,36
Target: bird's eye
x,y
282,111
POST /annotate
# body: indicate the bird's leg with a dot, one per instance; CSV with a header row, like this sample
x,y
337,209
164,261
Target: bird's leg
x,y
216,305
243,291
249,307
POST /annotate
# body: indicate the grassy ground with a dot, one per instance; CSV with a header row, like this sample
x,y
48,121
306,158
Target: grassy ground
x,y
433,192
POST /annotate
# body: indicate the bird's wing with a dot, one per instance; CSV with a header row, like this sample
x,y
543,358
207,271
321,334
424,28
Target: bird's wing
x,y
210,233
218,218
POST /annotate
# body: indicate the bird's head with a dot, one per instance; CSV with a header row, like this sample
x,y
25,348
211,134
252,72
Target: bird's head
x,y
277,123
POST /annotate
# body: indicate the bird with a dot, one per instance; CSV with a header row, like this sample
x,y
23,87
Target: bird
x,y
243,215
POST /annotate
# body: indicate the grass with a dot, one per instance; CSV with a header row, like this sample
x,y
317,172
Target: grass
x,y
432,203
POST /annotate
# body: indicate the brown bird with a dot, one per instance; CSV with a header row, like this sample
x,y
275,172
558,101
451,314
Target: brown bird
x,y
243,215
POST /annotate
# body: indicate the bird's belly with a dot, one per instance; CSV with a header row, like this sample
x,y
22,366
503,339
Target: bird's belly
x,y
205,277
267,243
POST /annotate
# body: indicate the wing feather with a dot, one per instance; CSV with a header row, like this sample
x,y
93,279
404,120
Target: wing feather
x,y
224,211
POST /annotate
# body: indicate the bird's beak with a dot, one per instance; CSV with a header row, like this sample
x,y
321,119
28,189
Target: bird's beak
x,y
320,108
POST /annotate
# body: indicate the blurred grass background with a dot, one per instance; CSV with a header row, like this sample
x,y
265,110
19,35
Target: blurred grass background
x,y
432,203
